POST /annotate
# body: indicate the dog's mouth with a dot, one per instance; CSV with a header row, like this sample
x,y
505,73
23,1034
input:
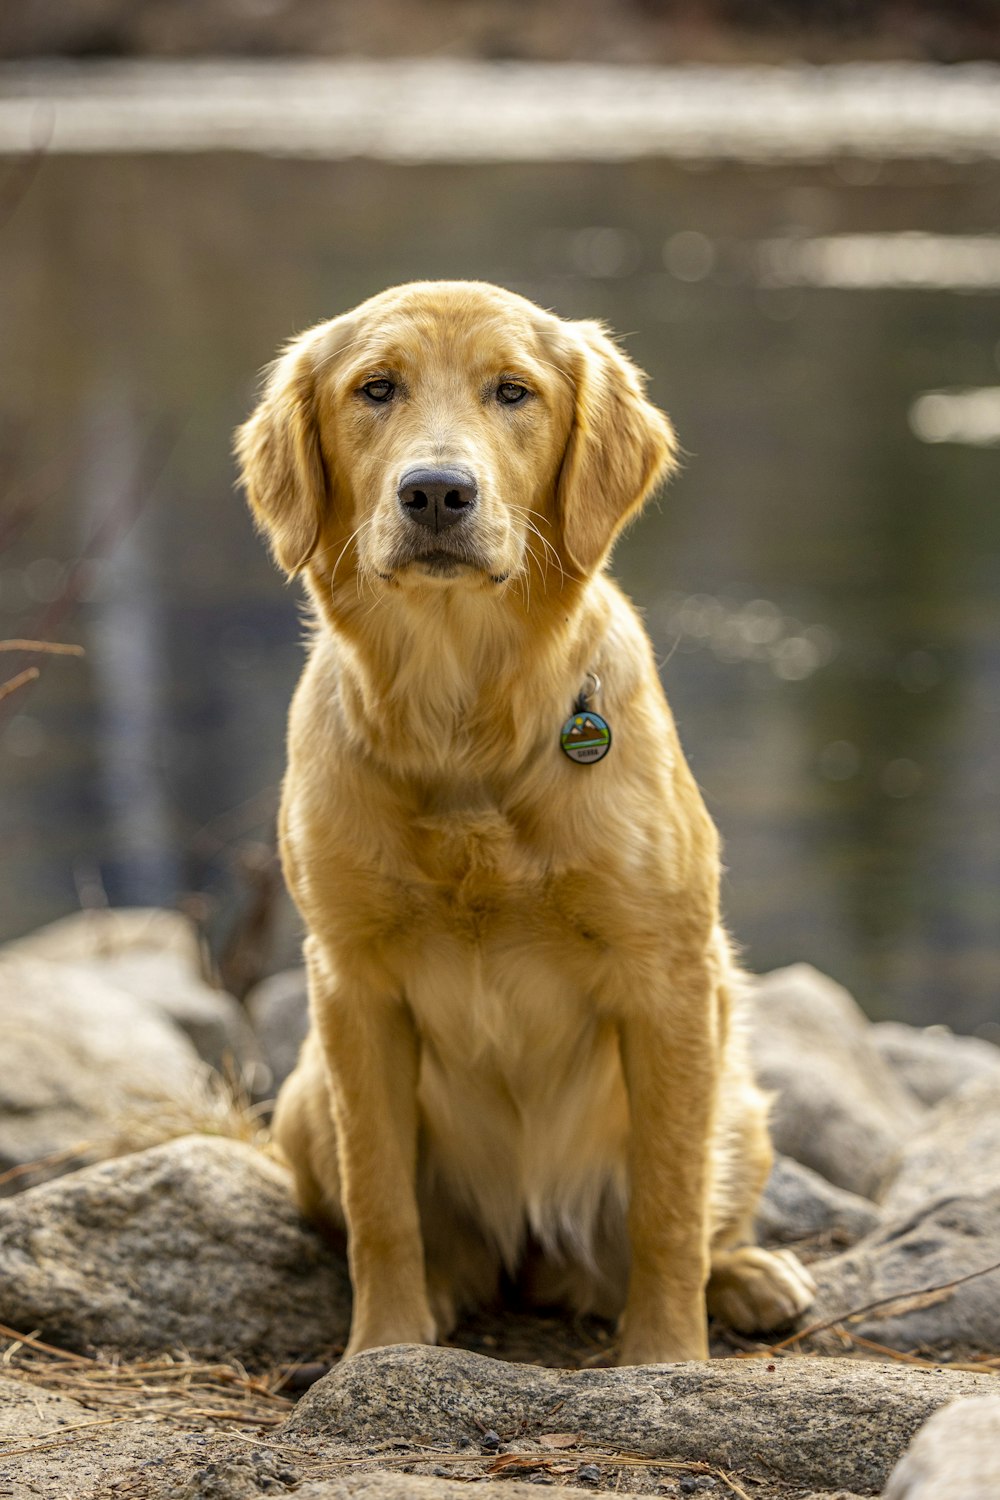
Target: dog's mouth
x,y
443,564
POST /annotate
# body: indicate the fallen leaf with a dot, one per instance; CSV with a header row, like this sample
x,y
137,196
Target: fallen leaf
x,y
518,1461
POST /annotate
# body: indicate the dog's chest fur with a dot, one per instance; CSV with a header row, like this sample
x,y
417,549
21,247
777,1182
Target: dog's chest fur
x,y
521,1089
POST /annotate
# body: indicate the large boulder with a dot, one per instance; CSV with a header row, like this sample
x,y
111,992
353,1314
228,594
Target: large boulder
x,y
930,1275
838,1107
808,1422
932,1061
956,1453
194,1244
157,956
957,1151
797,1204
84,1066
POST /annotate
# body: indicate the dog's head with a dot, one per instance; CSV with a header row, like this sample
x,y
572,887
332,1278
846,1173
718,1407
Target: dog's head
x,y
450,434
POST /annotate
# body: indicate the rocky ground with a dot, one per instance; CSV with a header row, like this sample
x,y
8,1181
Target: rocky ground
x,y
169,1326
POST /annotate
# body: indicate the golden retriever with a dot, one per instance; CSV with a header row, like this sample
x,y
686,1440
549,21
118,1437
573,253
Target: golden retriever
x,y
526,1051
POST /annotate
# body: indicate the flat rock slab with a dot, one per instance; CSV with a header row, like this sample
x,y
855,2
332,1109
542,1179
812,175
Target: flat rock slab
x,y
825,1423
839,1108
382,1486
54,1445
196,1244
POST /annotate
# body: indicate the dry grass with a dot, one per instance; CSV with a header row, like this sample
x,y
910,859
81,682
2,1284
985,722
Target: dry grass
x,y
171,1386
218,1104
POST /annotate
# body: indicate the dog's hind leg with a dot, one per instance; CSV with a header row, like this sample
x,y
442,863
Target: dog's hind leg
x,y
750,1289
306,1137
754,1290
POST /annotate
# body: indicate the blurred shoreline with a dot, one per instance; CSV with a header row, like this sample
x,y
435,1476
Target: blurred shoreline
x,y
650,32
451,110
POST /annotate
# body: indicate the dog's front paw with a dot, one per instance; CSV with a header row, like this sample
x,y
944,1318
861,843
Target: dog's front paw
x,y
655,1337
754,1290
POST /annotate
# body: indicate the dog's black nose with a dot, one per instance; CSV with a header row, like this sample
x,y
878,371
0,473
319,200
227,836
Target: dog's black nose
x,y
436,498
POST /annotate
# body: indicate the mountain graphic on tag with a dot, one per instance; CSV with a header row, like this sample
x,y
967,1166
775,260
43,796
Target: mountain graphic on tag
x,y
585,737
586,729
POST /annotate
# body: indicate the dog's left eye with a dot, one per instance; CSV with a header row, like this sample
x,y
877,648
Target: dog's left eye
x,y
378,390
510,393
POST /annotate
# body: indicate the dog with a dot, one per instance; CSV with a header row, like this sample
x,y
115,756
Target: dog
x,y
526,1053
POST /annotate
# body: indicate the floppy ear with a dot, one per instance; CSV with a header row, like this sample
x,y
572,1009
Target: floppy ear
x,y
281,462
619,447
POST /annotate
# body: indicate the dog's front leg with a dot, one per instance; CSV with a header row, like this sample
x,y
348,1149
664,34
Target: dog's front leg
x,y
669,1054
372,1057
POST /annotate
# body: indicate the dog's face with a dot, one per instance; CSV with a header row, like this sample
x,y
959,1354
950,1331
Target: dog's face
x,y
450,434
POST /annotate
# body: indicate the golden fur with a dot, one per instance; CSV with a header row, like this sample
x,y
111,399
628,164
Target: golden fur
x,y
526,1050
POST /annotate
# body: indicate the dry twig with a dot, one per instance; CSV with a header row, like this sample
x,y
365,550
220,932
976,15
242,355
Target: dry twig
x,y
498,1464
166,1388
51,648
13,683
31,673
904,1300
54,1159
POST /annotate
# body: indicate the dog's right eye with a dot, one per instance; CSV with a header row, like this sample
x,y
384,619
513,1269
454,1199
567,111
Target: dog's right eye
x,y
379,390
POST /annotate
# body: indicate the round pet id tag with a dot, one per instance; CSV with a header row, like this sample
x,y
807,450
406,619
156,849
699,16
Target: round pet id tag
x,y
585,736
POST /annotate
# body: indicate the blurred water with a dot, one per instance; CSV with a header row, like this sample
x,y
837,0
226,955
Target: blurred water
x,y
821,581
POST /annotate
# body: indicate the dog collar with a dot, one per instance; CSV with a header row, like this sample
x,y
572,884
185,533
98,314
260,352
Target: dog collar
x,y
586,736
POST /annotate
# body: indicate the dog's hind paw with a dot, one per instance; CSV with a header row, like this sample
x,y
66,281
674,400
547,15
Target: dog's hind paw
x,y
755,1290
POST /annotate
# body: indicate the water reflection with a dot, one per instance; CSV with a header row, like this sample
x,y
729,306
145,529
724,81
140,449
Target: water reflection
x,y
958,417
912,259
127,652
820,584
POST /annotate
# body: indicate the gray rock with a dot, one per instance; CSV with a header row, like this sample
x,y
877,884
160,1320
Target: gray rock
x,y
196,1243
939,1244
932,1061
956,1151
798,1204
826,1423
956,1453
279,1012
82,1063
839,1108
214,1022
157,956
